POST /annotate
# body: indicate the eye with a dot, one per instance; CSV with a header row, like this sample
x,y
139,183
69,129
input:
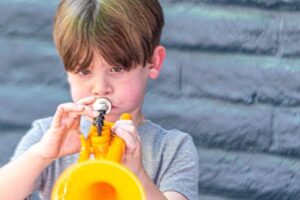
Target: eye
x,y
84,71
116,69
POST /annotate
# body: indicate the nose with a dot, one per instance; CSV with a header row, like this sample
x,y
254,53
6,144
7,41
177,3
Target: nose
x,y
102,87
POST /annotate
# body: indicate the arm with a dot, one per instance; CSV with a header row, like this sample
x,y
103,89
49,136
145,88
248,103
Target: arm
x,y
13,175
132,159
174,196
153,192
18,177
180,170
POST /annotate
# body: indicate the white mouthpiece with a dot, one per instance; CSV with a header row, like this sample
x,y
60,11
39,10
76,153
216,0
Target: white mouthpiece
x,y
102,104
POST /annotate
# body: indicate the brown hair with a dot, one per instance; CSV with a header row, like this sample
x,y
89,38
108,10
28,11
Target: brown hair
x,y
124,32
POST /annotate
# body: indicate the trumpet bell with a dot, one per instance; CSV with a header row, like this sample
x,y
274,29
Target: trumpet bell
x,y
97,179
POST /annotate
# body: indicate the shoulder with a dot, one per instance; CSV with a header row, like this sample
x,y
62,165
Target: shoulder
x,y
38,127
170,139
169,145
173,159
43,123
33,135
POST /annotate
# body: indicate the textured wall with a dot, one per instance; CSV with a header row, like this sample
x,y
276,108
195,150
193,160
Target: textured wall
x,y
231,79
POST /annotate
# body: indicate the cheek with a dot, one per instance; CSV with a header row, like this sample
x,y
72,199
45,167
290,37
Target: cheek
x,y
133,94
78,92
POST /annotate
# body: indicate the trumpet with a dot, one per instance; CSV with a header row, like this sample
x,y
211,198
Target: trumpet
x,y
98,174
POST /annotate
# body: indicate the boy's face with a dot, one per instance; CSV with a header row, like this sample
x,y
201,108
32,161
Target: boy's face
x,y
125,89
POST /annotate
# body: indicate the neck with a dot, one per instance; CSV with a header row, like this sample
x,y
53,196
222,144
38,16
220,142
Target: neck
x,y
139,120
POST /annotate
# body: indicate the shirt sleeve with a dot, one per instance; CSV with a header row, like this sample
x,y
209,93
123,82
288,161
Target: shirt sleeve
x,y
30,138
181,168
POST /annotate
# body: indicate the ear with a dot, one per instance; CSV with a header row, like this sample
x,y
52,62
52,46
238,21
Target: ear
x,y
158,58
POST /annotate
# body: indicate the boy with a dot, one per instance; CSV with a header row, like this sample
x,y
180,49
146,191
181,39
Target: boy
x,y
109,49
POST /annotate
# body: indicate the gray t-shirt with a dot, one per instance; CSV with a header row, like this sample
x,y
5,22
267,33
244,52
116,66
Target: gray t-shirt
x,y
169,157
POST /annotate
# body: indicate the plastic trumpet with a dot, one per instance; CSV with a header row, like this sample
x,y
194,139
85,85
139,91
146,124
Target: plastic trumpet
x,y
98,173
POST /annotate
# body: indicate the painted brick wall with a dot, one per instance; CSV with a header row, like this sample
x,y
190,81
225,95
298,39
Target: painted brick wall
x,y
231,79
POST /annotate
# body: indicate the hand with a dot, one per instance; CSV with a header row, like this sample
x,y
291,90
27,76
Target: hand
x,y
132,157
62,138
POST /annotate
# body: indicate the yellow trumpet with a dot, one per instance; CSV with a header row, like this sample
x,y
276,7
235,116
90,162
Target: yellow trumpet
x,y
102,177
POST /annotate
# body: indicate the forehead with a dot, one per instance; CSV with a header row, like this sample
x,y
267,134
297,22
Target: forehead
x,y
96,60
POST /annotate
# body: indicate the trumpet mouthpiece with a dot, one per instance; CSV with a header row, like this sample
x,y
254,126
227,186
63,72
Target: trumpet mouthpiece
x,y
102,104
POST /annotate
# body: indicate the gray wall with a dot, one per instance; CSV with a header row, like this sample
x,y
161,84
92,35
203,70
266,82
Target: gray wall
x,y
231,79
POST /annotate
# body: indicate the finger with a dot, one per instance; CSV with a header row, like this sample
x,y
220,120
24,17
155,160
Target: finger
x,y
75,110
73,122
75,125
68,107
56,123
124,121
87,101
128,126
131,143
